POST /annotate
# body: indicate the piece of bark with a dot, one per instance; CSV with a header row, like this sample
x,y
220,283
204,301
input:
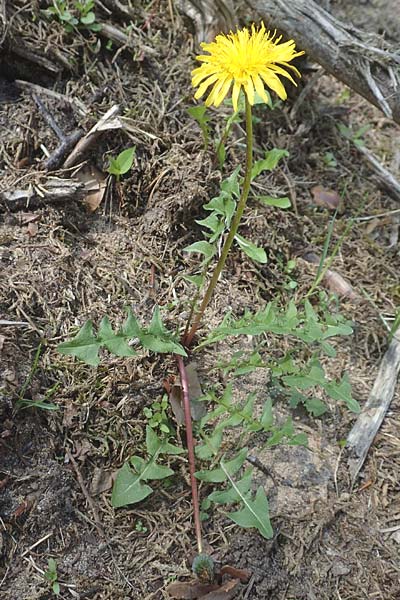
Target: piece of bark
x,y
369,421
52,190
363,61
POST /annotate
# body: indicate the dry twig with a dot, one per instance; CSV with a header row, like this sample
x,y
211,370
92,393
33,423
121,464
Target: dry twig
x,y
385,177
368,423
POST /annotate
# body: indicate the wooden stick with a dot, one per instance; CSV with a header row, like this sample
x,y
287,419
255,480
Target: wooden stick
x,y
368,423
68,143
38,89
55,190
28,53
48,117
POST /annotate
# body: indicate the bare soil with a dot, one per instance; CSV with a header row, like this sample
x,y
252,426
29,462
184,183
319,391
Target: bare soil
x,y
62,264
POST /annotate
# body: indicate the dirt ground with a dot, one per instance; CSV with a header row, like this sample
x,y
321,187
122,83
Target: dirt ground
x,y
62,263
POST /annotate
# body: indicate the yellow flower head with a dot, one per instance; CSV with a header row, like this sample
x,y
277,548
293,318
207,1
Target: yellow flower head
x,y
246,59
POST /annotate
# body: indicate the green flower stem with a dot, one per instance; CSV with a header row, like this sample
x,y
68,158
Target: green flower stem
x,y
188,338
190,449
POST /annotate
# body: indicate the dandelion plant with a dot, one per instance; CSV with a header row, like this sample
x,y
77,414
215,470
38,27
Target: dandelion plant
x,y
246,64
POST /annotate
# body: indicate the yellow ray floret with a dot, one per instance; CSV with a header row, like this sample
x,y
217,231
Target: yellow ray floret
x,y
245,59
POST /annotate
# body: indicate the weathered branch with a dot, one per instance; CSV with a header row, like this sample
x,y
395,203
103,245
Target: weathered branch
x,y
384,176
53,190
363,61
368,423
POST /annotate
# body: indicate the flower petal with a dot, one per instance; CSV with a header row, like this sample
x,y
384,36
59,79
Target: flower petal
x,y
215,93
249,89
223,92
235,95
258,84
205,85
200,74
274,83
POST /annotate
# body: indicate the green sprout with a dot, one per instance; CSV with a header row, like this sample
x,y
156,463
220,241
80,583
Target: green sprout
x,y
157,415
51,575
78,16
122,163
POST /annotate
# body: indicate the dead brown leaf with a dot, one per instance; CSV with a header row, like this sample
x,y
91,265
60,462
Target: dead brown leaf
x,y
332,279
325,197
174,391
32,228
71,411
190,590
197,409
175,398
235,573
338,285
227,591
101,481
95,184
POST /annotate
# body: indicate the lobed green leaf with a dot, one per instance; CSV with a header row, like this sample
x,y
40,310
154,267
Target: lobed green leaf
x,y
219,474
116,343
84,345
269,162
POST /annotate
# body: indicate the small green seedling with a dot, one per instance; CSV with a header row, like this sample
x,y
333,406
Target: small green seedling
x,y
157,415
51,575
291,284
123,163
78,16
139,527
330,160
355,137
